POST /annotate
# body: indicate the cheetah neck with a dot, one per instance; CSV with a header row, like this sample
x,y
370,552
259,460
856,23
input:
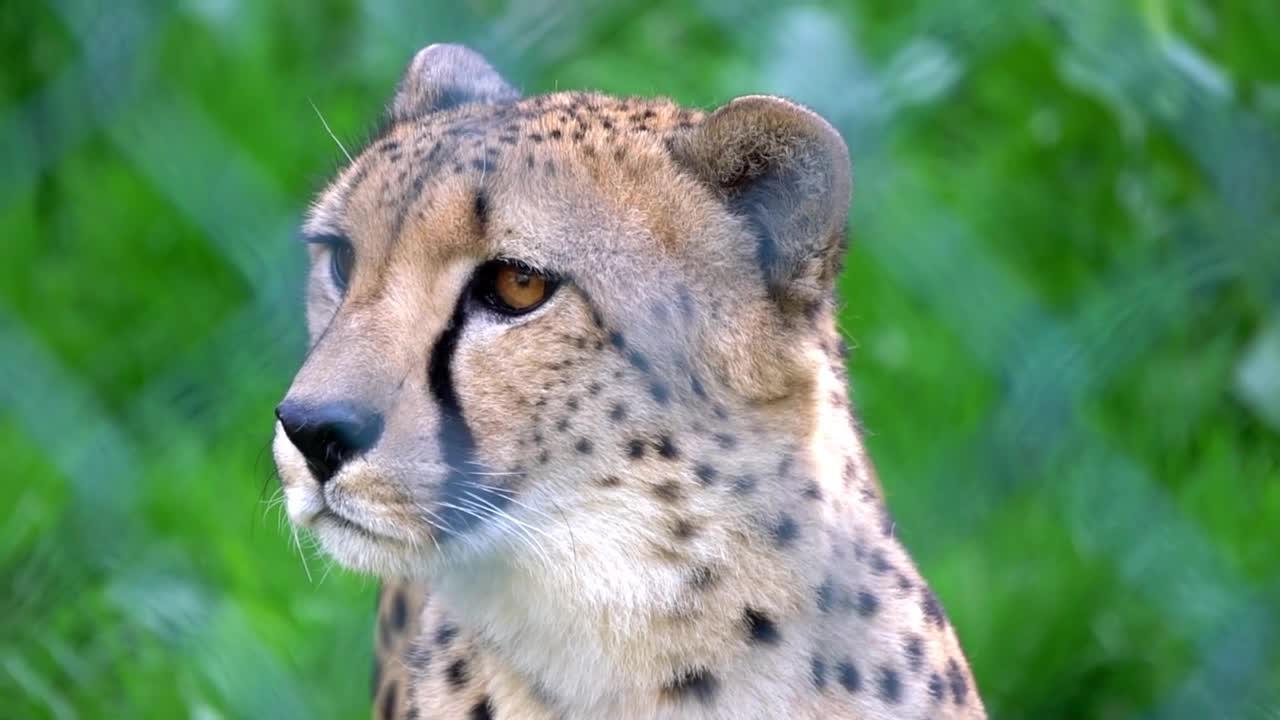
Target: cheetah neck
x,y
789,549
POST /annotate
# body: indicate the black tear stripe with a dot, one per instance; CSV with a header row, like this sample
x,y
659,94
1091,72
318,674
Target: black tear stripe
x,y
465,478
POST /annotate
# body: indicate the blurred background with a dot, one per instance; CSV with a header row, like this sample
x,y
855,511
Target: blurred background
x,y
1063,291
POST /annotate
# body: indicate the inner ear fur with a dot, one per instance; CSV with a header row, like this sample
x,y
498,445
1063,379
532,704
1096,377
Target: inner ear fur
x,y
784,171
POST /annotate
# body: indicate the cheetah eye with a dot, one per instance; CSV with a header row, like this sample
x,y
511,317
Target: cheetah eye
x,y
510,287
342,260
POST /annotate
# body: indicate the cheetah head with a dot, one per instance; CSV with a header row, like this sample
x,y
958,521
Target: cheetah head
x,y
535,317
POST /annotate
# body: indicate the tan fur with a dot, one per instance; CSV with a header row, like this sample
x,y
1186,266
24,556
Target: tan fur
x,y
689,526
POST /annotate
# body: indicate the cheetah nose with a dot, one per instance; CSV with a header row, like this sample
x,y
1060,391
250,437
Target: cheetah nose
x,y
329,434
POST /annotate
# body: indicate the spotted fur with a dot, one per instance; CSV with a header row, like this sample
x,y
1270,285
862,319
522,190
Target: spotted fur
x,y
647,498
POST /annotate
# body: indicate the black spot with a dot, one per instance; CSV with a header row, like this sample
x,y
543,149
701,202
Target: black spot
x,y
660,392
825,592
616,340
703,578
389,700
932,608
879,563
936,687
868,604
376,679
819,672
446,633
890,685
635,449
556,134
479,164
544,457
744,485
618,412
572,404
726,441
610,481
760,627
848,677
562,424
696,385
536,137
784,465
697,683
706,474
583,446
638,361
785,531
482,710
668,491
456,673
683,529
812,491
859,549
595,387
388,147
959,687
399,611
914,649
667,448
384,634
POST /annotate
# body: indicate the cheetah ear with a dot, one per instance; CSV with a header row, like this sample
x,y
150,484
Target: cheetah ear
x,y
785,171
445,76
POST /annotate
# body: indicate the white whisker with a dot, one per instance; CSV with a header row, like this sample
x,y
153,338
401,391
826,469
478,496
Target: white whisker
x,y
302,554
330,131
524,529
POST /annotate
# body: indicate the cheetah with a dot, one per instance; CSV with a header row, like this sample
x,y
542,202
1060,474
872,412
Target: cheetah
x,y
576,395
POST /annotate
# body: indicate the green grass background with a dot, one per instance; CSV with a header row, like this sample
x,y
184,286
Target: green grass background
x,y
1064,291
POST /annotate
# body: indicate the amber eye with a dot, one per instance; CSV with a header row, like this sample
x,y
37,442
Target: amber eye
x,y
342,261
513,288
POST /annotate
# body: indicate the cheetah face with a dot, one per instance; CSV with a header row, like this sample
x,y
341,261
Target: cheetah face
x,y
512,302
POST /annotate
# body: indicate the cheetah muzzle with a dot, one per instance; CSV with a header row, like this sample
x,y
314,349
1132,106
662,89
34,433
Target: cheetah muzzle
x,y
575,393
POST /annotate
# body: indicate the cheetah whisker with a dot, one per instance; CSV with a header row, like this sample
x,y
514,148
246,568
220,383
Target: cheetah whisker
x,y
330,131
524,529
507,522
302,555
509,496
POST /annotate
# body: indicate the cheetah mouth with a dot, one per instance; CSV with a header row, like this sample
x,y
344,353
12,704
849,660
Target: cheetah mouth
x,y
328,516
320,514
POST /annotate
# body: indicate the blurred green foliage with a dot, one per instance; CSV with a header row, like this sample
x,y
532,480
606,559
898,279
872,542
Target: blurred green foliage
x,y
1064,289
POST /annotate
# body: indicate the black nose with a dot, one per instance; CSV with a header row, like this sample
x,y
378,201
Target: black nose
x,y
329,434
